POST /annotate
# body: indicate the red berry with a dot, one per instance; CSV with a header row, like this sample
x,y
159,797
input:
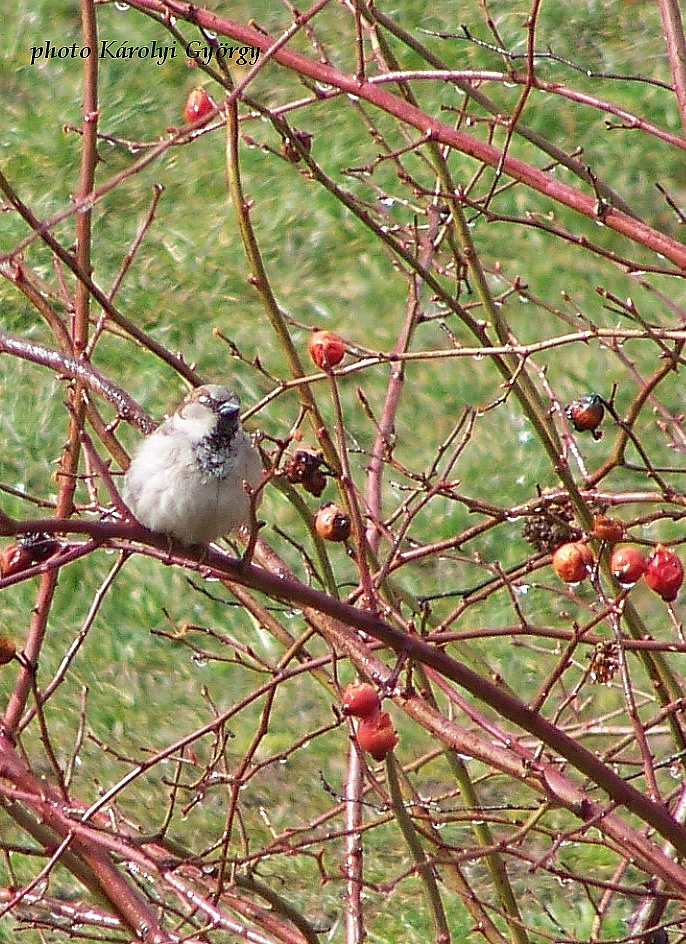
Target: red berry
x,y
377,735
331,523
664,573
198,104
627,565
15,558
586,413
360,699
573,562
7,650
326,349
30,548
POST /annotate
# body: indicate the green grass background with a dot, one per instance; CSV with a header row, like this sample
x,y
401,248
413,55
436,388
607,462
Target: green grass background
x,y
142,690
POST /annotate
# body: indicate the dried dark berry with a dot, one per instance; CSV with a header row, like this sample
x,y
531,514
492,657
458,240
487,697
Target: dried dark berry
x,y
604,662
305,468
39,545
586,414
551,527
289,147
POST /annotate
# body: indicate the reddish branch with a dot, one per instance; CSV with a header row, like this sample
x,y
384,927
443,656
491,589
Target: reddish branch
x,y
434,130
66,830
279,586
676,50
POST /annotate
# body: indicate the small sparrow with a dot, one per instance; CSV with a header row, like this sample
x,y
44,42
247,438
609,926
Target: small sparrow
x,y
187,478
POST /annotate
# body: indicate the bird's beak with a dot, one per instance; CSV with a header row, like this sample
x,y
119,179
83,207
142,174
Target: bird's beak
x,y
229,409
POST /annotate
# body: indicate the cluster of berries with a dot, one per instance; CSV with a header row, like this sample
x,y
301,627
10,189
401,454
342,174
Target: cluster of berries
x,y
661,569
375,732
573,561
309,469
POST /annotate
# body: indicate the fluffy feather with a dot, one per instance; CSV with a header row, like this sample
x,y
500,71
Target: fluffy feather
x,y
186,479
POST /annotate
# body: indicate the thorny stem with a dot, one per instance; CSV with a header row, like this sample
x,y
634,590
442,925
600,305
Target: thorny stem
x,y
38,227
260,281
352,501
435,130
452,875
473,91
422,861
81,371
280,586
353,866
70,456
676,50
93,866
395,386
484,837
342,626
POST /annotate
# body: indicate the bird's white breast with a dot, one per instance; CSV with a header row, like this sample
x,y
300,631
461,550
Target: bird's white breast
x,y
168,492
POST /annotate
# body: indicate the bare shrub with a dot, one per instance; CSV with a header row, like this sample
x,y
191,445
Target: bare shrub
x,y
175,762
